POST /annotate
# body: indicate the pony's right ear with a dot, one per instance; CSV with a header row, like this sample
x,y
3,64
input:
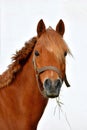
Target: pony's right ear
x,y
40,28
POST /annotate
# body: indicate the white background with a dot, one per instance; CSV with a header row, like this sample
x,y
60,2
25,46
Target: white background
x,y
18,22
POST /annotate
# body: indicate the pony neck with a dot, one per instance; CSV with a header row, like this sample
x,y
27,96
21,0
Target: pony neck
x,y
30,100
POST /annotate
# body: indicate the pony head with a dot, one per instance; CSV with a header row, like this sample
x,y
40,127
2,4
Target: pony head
x,y
49,58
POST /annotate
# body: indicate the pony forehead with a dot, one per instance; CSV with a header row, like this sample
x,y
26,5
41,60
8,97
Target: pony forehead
x,y
54,43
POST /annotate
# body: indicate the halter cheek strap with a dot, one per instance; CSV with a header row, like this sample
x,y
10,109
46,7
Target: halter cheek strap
x,y
66,81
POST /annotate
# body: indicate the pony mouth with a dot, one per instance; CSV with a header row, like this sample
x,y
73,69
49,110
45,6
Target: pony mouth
x,y
52,94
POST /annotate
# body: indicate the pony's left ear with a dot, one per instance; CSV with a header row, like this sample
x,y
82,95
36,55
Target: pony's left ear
x,y
60,28
40,28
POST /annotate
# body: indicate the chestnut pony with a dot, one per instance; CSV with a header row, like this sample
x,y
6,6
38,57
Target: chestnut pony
x,y
35,75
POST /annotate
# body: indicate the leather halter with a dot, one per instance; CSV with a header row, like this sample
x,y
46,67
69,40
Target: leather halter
x,y
38,71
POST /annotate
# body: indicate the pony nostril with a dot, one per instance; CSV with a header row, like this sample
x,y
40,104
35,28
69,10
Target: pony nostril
x,y
58,83
47,83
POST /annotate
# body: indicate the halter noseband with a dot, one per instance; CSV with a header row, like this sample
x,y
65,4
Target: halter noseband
x,y
38,71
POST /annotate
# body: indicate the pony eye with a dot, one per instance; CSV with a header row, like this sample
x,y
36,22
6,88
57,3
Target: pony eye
x,y
37,53
65,53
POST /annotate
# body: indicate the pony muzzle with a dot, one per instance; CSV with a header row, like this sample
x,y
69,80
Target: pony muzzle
x,y
52,87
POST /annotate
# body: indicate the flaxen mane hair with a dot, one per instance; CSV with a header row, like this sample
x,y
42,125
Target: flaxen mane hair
x,y
19,60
